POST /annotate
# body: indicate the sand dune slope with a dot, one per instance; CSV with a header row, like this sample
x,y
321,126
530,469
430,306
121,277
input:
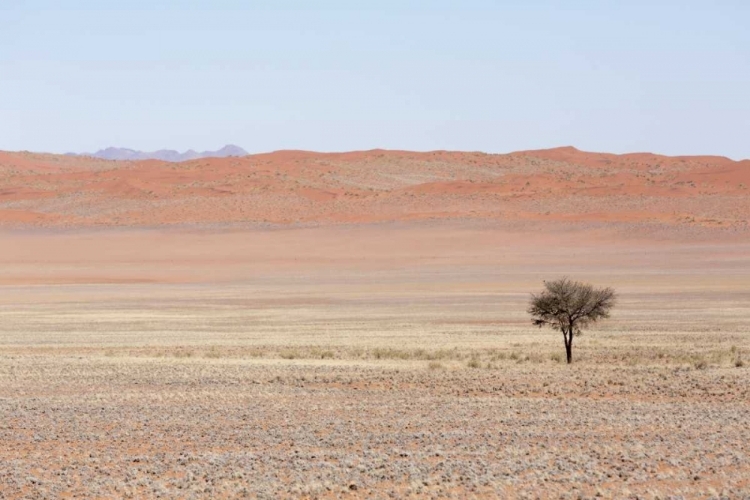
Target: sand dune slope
x,y
296,187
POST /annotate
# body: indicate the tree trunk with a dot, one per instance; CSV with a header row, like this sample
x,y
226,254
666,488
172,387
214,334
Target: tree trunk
x,y
568,336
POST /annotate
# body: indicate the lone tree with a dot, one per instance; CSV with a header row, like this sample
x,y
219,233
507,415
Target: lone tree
x,y
570,306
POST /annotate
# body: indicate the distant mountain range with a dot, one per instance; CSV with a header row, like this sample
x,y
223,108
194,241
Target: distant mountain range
x,y
164,154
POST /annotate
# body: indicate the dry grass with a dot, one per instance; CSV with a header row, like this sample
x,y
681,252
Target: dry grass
x,y
432,385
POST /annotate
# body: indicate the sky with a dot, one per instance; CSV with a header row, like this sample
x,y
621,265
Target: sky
x,y
671,77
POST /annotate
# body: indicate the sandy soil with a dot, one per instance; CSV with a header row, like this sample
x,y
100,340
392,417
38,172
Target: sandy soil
x,y
384,361
295,187
302,325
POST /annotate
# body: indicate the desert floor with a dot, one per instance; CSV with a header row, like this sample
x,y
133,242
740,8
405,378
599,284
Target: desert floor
x,y
382,361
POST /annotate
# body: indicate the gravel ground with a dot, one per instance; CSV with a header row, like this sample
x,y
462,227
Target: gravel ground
x,y
92,426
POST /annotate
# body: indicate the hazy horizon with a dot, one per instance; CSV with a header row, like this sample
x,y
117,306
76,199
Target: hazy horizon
x,y
261,152
664,77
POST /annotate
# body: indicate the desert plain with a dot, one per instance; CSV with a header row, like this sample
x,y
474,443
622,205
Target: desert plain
x,y
305,325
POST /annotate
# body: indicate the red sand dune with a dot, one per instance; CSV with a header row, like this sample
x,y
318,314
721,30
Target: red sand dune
x,y
291,187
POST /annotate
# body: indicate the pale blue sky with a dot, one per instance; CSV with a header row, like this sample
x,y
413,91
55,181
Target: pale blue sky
x,y
331,75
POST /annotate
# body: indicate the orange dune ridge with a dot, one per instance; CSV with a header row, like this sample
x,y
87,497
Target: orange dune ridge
x,y
298,187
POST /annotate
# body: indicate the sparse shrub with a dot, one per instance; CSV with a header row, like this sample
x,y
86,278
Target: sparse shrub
x,y
422,354
289,354
499,356
317,353
535,358
473,363
439,354
212,353
381,353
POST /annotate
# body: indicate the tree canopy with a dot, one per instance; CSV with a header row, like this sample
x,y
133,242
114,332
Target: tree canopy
x,y
570,306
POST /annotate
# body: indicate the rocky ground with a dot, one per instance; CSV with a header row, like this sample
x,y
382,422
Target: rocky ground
x,y
134,427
